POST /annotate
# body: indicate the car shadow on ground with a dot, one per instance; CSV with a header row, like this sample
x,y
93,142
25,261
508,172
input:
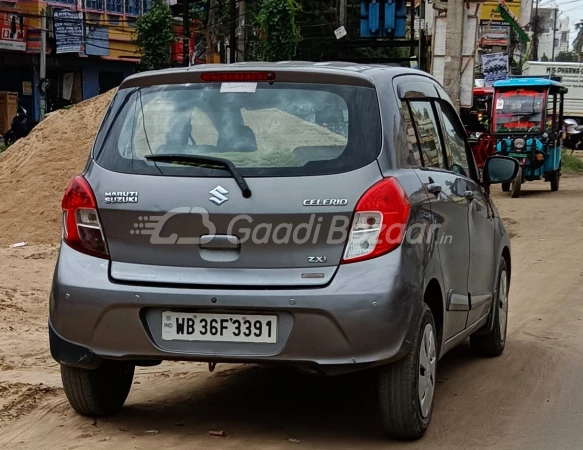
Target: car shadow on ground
x,y
527,193
274,402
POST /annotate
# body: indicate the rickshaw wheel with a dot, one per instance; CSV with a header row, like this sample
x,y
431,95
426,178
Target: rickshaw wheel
x,y
505,187
554,178
517,184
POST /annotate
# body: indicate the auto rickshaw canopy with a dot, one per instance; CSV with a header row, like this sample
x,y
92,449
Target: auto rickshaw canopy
x,y
554,86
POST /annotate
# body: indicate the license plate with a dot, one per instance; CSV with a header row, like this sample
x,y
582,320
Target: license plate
x,y
177,326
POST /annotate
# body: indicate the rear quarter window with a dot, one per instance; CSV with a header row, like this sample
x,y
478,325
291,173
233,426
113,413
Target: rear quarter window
x,y
276,130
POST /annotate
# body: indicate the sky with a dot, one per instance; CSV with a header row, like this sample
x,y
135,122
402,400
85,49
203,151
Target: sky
x,y
573,9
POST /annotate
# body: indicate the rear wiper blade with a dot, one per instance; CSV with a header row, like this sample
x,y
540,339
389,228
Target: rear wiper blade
x,y
210,161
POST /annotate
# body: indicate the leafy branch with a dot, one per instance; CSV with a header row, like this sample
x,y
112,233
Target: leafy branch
x,y
155,36
281,35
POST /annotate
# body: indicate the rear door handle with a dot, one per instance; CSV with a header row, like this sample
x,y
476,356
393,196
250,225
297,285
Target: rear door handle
x,y
434,188
219,241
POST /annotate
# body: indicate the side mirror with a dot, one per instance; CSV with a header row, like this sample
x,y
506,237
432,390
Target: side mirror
x,y
500,169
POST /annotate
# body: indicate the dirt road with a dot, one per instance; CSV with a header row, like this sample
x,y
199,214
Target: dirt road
x,y
530,398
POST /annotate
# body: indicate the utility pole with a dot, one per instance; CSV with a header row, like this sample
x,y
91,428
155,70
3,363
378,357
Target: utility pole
x,y
185,34
43,64
453,50
342,13
242,32
210,31
535,37
341,10
233,32
554,35
421,35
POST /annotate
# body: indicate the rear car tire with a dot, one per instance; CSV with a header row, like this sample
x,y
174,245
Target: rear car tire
x,y
516,185
99,392
406,388
492,344
554,178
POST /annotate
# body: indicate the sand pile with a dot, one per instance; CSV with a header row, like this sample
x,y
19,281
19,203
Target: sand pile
x,y
36,170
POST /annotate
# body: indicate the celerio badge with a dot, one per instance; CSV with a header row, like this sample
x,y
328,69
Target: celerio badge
x,y
325,202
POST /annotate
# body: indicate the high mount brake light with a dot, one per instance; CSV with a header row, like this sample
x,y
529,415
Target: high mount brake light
x,y
237,76
81,226
379,222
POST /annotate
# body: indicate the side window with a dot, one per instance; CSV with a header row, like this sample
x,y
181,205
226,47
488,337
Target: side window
x,y
412,156
429,141
455,144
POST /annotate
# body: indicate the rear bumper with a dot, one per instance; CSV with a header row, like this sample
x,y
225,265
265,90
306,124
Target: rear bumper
x,y
360,320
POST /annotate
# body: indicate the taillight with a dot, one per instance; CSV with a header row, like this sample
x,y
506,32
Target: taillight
x,y
379,222
81,226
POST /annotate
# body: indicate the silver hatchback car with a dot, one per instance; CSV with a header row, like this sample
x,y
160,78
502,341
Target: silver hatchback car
x,y
326,216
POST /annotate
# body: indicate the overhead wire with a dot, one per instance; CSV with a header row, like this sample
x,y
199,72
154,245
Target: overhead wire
x,y
128,18
554,3
89,23
89,41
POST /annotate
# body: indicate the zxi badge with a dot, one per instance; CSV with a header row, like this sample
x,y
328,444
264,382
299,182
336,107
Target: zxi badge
x,y
317,259
218,195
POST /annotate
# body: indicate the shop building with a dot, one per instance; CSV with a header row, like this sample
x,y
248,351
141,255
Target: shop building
x,y
89,48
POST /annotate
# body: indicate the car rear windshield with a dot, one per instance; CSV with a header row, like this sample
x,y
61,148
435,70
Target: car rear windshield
x,y
264,129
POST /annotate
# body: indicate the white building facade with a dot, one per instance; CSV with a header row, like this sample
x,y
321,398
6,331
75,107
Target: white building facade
x,y
554,37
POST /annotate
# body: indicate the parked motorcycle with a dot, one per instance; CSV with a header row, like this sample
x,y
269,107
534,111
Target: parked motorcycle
x,y
19,128
574,135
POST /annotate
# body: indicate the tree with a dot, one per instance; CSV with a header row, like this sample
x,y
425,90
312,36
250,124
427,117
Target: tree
x,y
214,19
281,35
155,36
317,20
578,42
544,57
536,30
567,57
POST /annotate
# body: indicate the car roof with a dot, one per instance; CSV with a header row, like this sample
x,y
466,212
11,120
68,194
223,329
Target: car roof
x,y
358,74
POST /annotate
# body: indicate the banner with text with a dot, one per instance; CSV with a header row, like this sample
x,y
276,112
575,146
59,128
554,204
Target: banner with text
x,y
488,14
12,32
68,27
495,36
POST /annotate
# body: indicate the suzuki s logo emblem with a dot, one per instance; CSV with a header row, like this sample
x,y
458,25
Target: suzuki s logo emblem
x,y
218,195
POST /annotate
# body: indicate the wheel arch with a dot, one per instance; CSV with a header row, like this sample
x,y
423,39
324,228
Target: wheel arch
x,y
504,256
433,297
507,259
